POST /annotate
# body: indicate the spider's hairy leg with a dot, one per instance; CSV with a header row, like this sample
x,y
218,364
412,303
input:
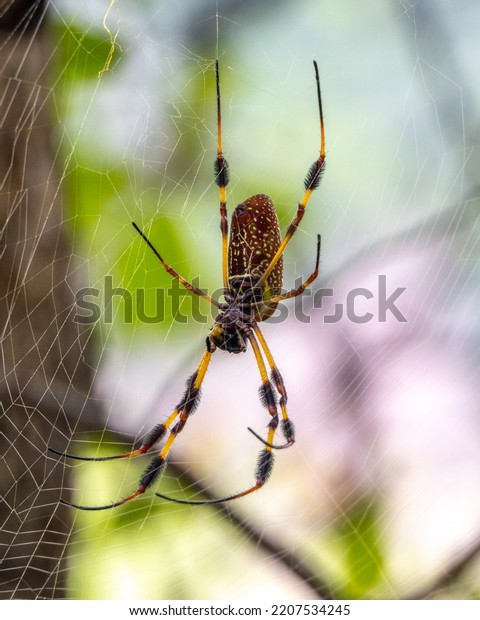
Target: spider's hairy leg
x,y
266,457
287,427
267,396
172,272
152,472
298,291
183,410
150,440
221,179
312,181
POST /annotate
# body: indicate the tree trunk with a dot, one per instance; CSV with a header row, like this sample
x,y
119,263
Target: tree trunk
x,y
42,348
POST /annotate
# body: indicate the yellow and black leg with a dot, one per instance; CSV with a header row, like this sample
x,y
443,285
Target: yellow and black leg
x,y
172,272
298,291
287,426
180,415
312,181
266,458
221,179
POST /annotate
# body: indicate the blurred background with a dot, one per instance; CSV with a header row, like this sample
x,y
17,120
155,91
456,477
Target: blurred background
x,y
378,498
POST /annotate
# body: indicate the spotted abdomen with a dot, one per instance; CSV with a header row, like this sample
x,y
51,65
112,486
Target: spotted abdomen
x,y
254,240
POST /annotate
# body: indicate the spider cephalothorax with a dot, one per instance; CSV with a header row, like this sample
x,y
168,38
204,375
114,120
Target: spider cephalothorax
x,y
252,268
228,332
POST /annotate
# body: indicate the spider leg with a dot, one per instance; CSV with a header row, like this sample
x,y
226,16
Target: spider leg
x,y
172,272
153,436
266,457
298,291
222,179
267,395
312,181
184,409
288,429
274,446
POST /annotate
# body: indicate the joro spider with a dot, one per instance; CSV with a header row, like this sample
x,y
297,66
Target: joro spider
x,y
252,267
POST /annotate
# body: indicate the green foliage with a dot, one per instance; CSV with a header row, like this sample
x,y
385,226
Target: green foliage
x,y
357,539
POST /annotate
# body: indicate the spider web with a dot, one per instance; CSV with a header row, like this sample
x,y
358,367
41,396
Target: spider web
x,y
108,116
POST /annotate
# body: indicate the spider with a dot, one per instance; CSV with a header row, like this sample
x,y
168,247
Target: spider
x,y
252,269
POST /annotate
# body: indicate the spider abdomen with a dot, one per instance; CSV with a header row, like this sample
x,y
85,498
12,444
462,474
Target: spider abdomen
x,y
254,239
